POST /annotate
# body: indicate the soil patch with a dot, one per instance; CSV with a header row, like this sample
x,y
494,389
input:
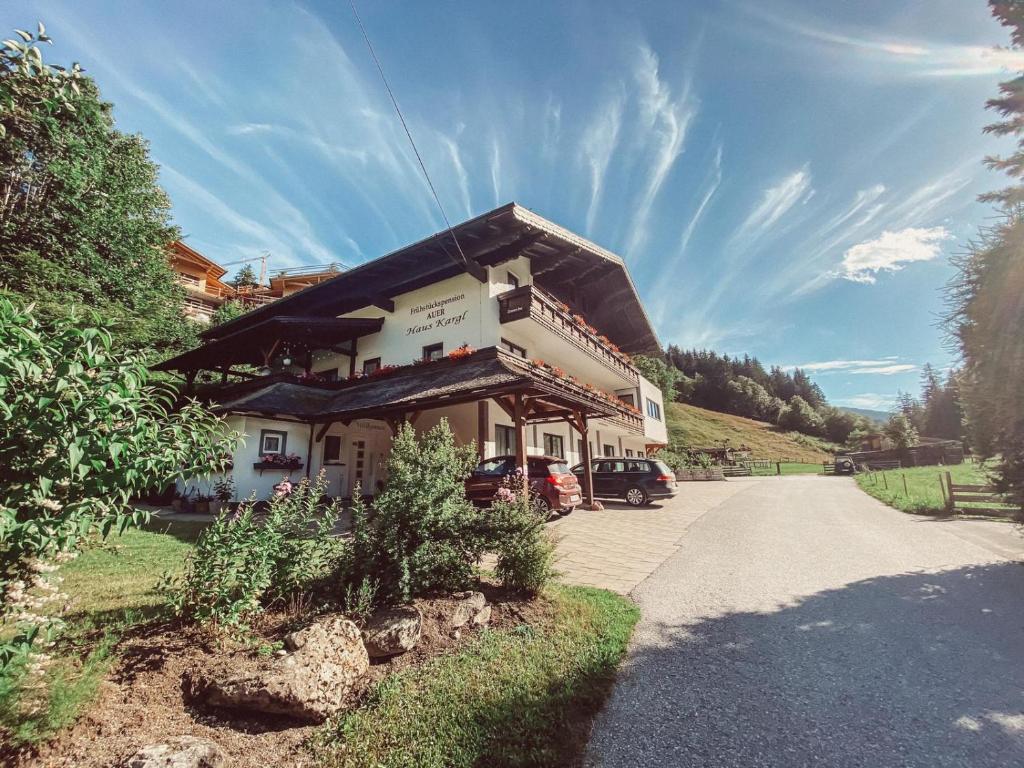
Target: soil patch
x,y
146,698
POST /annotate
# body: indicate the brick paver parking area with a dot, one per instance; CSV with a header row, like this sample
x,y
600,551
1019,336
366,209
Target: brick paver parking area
x,y
620,546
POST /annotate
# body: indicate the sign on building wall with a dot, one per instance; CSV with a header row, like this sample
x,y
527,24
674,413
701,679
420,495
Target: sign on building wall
x,y
446,312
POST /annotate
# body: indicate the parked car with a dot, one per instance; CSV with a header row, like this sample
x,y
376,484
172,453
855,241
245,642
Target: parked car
x,y
637,481
845,465
554,487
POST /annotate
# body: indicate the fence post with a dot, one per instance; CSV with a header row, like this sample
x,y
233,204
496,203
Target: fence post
x,y
778,467
885,480
905,486
952,501
942,487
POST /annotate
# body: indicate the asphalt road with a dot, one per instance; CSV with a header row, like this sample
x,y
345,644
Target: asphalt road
x,y
803,623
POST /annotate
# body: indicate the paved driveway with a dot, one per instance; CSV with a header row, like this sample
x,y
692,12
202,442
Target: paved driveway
x,y
799,622
621,546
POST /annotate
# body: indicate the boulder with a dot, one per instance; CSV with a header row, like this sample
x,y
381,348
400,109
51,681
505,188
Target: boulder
x,y
469,605
180,752
482,616
311,683
392,631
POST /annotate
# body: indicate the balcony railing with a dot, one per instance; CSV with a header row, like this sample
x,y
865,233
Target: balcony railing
x,y
528,301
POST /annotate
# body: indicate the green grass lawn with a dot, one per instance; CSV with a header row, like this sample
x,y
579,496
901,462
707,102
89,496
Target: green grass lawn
x,y
514,698
923,493
112,586
523,696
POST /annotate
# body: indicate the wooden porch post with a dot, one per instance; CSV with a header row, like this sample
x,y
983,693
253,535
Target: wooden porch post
x,y
309,448
481,428
588,469
519,425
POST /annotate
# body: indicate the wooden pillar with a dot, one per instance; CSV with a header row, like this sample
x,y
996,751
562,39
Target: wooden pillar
x,y
309,448
481,428
352,357
588,469
519,425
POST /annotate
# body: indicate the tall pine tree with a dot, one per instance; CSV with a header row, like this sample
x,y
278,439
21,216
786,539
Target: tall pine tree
x,y
987,297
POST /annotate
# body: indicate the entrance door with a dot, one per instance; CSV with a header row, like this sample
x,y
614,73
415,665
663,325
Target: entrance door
x,y
333,465
358,467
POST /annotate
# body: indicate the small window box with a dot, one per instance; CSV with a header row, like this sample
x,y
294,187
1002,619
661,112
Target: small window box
x,y
262,465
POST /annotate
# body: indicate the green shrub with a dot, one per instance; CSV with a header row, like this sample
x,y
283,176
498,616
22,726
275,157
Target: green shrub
x,y
244,562
421,533
525,550
82,433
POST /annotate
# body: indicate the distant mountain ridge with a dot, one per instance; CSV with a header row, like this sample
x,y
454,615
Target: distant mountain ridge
x,y
878,416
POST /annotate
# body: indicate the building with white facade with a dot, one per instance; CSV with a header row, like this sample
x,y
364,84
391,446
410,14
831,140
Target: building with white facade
x,y
524,348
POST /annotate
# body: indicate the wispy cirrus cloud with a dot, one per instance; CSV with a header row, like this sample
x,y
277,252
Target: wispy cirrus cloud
x,y
886,366
714,182
665,120
891,251
597,145
909,56
776,201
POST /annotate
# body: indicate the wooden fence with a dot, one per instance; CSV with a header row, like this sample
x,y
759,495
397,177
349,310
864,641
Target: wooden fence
x,y
738,470
958,494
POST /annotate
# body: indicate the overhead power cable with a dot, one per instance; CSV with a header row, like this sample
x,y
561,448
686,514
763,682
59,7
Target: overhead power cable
x,y
408,133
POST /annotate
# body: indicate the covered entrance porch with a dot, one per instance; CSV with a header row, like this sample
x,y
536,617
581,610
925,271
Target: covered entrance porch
x,y
348,425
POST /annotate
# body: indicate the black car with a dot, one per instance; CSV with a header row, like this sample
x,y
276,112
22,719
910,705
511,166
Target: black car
x,y
638,481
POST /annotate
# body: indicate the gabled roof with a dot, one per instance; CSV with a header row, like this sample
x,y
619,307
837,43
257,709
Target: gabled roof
x,y
183,251
594,281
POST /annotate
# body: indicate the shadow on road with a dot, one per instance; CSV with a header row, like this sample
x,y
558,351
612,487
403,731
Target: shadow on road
x,y
915,669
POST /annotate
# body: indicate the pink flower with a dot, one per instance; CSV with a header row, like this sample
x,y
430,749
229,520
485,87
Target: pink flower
x,y
283,488
505,494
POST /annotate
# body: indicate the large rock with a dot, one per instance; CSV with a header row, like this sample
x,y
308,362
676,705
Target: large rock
x,y
470,604
180,752
392,631
310,683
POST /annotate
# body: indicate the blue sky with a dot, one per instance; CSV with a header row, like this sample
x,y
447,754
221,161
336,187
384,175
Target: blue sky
x,y
784,178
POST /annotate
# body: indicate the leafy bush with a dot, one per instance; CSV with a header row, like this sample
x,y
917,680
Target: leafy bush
x,y
799,416
82,433
244,562
525,550
421,533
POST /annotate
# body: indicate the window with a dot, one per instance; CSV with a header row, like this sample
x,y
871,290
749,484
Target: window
x,y
609,450
579,449
637,466
627,398
504,440
553,446
629,453
433,352
272,441
371,365
515,349
512,280
330,374
653,409
332,449
494,468
609,466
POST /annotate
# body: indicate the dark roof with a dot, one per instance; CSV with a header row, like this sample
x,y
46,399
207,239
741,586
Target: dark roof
x,y
592,280
486,373
249,344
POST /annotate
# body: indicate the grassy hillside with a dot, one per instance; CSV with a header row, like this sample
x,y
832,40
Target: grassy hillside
x,y
881,417
692,426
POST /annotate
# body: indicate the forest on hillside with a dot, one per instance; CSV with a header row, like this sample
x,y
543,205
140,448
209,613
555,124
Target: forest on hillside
x,y
790,399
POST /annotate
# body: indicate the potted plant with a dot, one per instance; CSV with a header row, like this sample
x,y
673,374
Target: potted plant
x,y
202,506
223,492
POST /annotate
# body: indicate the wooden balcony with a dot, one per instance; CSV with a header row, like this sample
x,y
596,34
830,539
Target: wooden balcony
x,y
527,301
